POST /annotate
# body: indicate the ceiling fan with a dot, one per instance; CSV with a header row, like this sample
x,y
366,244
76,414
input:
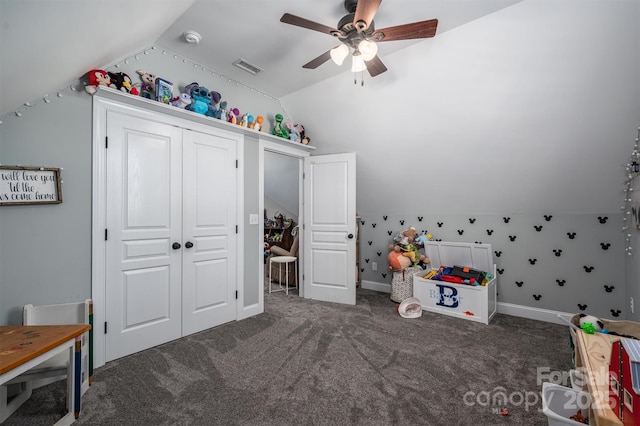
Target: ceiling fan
x,y
357,33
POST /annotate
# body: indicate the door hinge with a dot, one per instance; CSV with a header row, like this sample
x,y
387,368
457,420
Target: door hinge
x,y
105,327
236,164
236,294
106,234
303,175
106,142
236,229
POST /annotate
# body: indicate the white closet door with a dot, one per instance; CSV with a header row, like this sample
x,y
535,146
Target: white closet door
x,y
143,270
209,231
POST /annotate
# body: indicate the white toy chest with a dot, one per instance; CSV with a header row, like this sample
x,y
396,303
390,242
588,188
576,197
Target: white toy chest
x,y
474,303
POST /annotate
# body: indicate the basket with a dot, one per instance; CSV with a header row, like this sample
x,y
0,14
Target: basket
x,y
402,284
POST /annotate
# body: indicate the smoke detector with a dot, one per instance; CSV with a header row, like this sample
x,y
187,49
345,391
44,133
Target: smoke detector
x,y
192,37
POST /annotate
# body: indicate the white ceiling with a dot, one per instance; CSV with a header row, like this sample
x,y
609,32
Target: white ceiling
x,y
46,45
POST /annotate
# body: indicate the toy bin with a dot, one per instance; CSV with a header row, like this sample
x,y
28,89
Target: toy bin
x,y
559,403
473,303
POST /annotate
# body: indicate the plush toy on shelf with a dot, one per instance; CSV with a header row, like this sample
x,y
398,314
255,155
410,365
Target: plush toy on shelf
x,y
232,115
121,81
279,129
147,88
304,139
203,100
97,78
258,126
181,101
295,132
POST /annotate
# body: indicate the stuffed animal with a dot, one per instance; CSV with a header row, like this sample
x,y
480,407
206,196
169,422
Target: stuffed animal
x,y
258,126
244,120
232,115
304,139
279,129
295,132
590,324
397,261
121,81
221,112
423,238
403,243
201,99
147,88
181,101
97,78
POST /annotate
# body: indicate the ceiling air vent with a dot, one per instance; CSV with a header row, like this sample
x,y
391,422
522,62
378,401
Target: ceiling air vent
x,y
243,64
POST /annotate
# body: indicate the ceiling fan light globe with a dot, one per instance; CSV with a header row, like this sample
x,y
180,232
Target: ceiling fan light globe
x,y
357,63
339,53
368,49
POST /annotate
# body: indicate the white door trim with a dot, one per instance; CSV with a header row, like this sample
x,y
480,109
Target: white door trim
x,y
300,155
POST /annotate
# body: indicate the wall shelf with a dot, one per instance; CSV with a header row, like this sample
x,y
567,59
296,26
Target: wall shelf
x,y
151,105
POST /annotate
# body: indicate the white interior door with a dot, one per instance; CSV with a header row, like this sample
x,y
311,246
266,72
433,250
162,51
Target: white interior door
x,y
143,271
330,228
209,231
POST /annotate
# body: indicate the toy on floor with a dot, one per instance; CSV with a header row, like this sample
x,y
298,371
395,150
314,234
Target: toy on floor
x,y
578,417
97,78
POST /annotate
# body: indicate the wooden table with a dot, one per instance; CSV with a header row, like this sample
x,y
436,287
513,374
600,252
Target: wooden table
x,y
593,353
25,347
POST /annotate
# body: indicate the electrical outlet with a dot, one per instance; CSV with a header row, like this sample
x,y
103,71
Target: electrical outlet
x,y
374,266
631,304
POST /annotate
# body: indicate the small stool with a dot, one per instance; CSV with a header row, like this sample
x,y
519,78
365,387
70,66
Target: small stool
x,y
286,260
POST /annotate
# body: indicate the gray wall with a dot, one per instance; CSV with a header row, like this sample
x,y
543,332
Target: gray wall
x,y
45,251
536,255
252,254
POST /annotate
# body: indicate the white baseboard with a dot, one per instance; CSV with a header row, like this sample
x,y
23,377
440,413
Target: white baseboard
x,y
503,308
533,313
375,286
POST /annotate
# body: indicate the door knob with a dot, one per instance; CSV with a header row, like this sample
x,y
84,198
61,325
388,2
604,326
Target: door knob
x,y
350,236
188,244
176,246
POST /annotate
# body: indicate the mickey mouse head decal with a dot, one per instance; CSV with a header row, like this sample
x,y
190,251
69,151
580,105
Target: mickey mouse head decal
x,y
500,271
460,231
370,242
362,222
537,296
603,219
605,246
440,224
608,288
389,232
537,227
506,219
512,237
402,222
385,217
489,231
497,253
519,283
420,218
615,312
571,235
472,220
561,283
533,261
588,269
547,217
557,252
373,225
582,307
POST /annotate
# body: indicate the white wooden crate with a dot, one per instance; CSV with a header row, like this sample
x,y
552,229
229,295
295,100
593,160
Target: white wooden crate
x,y
474,303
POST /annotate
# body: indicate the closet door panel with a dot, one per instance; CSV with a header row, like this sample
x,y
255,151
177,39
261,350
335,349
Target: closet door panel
x,y
209,230
143,270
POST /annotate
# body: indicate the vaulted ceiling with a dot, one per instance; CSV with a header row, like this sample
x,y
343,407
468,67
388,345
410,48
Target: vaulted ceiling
x,y
46,45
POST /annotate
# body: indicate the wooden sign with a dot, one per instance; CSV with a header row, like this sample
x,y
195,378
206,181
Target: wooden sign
x,y
29,185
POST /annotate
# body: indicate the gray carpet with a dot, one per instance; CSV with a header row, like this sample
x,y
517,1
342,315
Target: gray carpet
x,y
314,363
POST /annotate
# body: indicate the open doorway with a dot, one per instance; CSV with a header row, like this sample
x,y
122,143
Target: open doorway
x,y
282,216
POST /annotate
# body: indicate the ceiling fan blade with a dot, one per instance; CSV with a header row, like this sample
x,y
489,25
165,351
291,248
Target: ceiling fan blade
x,y
375,66
365,11
288,18
422,29
315,63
